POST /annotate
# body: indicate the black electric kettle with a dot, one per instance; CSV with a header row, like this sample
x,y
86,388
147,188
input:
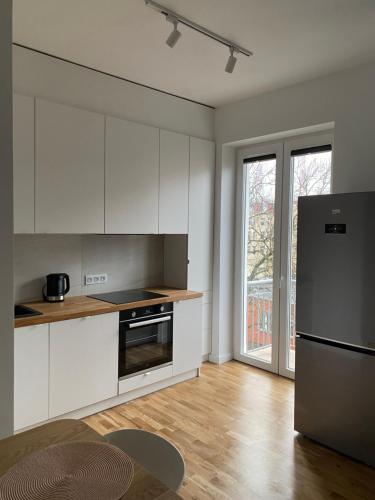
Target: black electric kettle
x,y
58,285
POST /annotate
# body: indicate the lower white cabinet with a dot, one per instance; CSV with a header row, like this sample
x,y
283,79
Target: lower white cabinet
x,y
187,335
68,365
83,362
139,381
30,375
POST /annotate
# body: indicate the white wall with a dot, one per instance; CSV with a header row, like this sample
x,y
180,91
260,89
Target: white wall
x,y
6,222
43,76
347,99
130,261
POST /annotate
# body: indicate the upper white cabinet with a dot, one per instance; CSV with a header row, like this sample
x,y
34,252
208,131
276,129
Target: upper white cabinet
x,y
201,214
132,178
83,362
174,183
23,163
96,174
187,335
69,169
30,375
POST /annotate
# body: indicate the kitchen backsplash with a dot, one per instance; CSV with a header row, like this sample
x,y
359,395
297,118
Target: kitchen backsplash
x,y
130,261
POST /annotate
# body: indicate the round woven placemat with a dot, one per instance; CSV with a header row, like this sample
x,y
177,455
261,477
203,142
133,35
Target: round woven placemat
x,y
67,471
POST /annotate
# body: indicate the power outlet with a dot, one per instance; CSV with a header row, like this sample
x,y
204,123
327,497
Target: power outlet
x,y
96,279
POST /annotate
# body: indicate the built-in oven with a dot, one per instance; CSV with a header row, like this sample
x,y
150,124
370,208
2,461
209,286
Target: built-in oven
x,y
146,339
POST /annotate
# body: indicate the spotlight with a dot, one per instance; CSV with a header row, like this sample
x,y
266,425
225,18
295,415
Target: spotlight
x,y
175,35
229,67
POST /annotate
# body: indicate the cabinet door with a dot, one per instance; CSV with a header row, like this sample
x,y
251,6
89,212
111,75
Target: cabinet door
x,y
132,178
187,335
23,163
174,183
30,375
69,169
201,214
83,362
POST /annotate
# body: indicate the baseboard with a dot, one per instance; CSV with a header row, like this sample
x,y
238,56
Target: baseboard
x,y
223,358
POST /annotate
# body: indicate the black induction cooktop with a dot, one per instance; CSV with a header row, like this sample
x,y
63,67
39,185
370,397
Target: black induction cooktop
x,y
126,296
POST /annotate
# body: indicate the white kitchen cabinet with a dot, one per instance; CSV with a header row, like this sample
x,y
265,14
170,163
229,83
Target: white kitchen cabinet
x,y
69,169
132,178
144,379
30,375
201,226
174,183
201,214
23,163
187,335
83,362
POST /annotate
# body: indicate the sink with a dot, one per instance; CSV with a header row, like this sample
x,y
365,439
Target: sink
x,y
24,312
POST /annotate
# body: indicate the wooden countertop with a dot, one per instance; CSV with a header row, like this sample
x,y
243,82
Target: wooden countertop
x,y
80,306
14,448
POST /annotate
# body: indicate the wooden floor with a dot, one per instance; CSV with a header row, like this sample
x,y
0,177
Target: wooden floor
x,y
234,426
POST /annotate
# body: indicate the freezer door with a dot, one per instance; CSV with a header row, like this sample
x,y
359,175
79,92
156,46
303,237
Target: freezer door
x,y
335,399
336,268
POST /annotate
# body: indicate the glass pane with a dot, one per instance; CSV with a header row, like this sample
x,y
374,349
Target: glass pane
x,y
311,175
261,186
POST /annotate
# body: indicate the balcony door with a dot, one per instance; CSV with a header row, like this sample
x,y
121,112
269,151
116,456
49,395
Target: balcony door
x,y
270,179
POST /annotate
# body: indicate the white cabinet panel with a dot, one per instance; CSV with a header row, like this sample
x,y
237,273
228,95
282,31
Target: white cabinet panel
x,y
174,183
83,362
69,169
187,335
132,178
201,214
30,375
23,163
144,379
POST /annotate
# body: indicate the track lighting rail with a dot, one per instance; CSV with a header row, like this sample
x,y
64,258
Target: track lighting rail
x,y
197,27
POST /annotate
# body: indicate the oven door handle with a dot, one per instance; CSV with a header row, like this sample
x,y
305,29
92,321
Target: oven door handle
x,y
150,322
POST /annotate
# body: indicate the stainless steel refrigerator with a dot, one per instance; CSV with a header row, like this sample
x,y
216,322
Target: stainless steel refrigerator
x,y
335,322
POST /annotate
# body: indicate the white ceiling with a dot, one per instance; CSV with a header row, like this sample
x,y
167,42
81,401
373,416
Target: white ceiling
x,y
293,40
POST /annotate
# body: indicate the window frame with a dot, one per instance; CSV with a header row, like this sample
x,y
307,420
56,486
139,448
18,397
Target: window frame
x,y
280,311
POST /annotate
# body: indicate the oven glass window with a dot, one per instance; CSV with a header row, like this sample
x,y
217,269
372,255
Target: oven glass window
x,y
145,346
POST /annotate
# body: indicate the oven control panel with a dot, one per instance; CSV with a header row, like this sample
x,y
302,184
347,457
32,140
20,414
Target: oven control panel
x,y
142,312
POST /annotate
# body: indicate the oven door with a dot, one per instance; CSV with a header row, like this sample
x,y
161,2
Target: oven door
x,y
145,343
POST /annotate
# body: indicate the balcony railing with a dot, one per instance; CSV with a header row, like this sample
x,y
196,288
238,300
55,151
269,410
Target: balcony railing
x,y
259,314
